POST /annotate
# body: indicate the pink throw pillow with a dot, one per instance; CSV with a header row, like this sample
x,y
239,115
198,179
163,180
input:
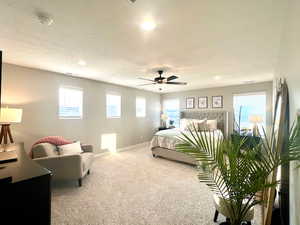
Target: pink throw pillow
x,y
55,140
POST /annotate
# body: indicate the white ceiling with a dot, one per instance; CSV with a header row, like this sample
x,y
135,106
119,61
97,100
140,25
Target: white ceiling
x,y
199,39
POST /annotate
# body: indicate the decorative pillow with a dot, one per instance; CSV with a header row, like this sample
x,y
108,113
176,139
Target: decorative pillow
x,y
212,124
70,149
55,140
44,150
198,124
183,123
203,125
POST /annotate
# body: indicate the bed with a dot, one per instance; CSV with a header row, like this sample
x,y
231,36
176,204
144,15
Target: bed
x,y
163,142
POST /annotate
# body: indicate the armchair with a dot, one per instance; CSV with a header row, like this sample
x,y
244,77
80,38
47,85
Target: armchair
x,y
74,166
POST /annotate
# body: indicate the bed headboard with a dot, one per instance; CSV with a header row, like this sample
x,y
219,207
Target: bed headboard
x,y
220,116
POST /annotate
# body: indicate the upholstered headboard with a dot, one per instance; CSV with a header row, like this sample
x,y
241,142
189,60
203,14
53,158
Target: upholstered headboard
x,y
220,116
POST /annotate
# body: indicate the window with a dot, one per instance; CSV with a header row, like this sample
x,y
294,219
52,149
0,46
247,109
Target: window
x,y
171,109
140,107
109,142
113,106
70,103
251,105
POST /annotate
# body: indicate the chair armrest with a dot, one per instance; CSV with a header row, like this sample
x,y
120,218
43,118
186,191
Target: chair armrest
x,y
87,148
63,166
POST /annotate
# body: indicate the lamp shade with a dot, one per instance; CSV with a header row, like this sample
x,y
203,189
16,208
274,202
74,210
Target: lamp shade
x,y
255,119
10,115
164,117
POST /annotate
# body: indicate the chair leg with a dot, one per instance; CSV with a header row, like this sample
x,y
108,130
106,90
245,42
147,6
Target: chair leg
x,y
79,182
216,216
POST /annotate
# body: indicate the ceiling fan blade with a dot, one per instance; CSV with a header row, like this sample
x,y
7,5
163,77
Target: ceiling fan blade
x,y
145,79
146,84
177,83
172,78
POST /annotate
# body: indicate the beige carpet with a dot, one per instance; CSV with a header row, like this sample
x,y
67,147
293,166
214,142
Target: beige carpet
x,y
133,188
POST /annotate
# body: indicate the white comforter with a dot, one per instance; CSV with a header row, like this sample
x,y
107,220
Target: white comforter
x,y
169,138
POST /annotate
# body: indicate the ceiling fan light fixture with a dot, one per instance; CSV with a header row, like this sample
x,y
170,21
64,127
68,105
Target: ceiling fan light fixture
x,y
160,80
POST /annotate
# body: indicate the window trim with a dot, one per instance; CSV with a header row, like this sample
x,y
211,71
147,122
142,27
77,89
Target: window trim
x,y
145,107
81,108
113,94
250,93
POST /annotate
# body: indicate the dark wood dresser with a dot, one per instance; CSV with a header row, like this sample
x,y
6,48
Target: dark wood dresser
x,y
25,190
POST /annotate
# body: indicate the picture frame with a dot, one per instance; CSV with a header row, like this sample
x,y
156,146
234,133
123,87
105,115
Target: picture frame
x,y
217,101
203,102
190,103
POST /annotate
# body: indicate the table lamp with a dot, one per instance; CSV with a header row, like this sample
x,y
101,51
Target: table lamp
x,y
7,117
255,119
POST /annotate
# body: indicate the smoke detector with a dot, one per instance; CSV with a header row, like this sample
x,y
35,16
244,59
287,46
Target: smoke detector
x,y
44,18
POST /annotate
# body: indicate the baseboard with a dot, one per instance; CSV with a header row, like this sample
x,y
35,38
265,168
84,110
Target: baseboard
x,y
140,145
128,148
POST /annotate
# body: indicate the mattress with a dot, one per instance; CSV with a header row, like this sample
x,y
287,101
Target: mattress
x,y
170,138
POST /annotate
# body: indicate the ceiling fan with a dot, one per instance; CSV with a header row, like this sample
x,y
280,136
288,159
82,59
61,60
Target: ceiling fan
x,y
163,80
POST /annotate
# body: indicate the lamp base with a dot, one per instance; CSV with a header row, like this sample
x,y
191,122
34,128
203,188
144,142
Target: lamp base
x,y
6,134
255,130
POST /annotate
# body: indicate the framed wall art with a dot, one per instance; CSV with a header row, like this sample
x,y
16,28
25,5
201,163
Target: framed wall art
x,y
217,101
190,102
202,102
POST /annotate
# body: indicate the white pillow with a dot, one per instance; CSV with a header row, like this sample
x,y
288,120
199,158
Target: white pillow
x,y
195,124
183,124
70,149
199,124
212,124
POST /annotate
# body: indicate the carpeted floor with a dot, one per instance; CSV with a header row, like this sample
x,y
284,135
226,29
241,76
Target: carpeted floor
x,y
133,188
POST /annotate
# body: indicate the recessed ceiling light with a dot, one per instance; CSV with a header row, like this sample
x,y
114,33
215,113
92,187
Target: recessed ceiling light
x,y
217,77
148,25
82,63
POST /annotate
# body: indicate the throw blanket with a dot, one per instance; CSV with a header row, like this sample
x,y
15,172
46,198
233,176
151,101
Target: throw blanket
x,y
55,140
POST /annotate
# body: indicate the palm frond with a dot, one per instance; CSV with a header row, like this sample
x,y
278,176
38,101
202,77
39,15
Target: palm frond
x,y
233,171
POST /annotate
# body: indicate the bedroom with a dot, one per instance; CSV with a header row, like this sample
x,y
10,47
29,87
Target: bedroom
x,y
90,57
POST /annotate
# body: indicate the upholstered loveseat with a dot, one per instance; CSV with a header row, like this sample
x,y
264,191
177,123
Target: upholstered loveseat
x,y
70,166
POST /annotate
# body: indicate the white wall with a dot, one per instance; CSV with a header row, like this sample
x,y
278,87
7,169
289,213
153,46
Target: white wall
x,y
36,92
227,93
289,68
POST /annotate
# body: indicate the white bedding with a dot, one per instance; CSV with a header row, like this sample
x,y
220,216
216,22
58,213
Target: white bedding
x,y
169,138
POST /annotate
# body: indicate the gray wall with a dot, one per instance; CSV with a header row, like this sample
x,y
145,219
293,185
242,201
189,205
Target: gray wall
x,y
36,92
227,93
289,68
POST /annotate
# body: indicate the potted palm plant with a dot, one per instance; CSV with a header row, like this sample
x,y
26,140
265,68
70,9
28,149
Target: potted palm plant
x,y
234,171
